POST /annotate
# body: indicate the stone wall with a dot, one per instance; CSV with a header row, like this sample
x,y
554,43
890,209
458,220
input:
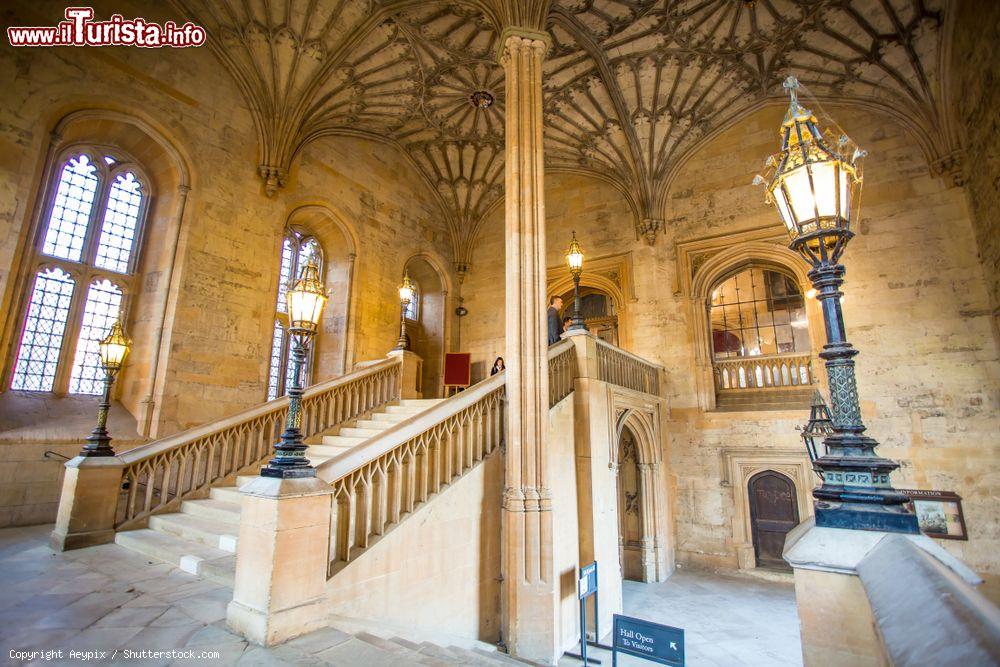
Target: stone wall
x,y
212,357
916,307
975,80
437,572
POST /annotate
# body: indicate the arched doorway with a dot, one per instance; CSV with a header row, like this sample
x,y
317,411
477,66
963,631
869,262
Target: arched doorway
x,y
598,310
773,512
630,515
425,320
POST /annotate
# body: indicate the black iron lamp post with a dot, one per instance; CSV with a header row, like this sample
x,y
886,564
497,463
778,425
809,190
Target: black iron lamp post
x,y
407,293
819,426
816,187
112,349
305,300
574,257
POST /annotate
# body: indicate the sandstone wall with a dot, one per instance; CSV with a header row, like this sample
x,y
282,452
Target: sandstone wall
x,y
220,311
975,80
916,307
213,297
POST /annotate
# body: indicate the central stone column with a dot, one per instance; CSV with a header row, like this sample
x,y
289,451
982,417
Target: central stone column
x,y
530,583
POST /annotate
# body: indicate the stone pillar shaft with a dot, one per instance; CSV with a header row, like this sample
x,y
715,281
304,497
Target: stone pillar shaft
x,y
529,578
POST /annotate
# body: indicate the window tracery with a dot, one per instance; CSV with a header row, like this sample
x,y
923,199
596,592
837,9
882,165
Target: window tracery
x,y
82,268
296,248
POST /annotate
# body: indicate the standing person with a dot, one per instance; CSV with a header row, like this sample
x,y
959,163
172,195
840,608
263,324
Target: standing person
x,y
555,326
498,366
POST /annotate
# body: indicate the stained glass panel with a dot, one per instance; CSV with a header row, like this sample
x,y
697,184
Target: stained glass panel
x,y
104,301
38,355
67,226
121,220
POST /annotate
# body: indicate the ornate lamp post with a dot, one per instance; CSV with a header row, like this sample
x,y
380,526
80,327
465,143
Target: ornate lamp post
x,y
819,426
817,189
406,295
305,300
574,257
112,349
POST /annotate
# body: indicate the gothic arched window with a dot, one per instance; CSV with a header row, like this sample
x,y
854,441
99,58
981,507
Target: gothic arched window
x,y
296,247
82,268
759,331
412,311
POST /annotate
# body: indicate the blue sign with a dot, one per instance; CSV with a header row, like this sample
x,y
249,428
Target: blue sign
x,y
588,580
654,642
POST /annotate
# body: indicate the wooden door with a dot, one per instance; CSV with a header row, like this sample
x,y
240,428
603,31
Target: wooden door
x,y
629,509
773,512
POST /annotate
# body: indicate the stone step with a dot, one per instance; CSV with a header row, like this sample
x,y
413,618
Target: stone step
x,y
378,424
326,450
342,441
242,480
408,410
213,564
498,658
218,534
227,494
423,403
357,652
218,510
353,432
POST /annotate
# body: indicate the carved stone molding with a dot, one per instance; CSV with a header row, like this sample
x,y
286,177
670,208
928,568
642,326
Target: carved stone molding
x,y
738,464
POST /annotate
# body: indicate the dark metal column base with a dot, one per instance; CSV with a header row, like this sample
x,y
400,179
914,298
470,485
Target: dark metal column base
x,y
859,516
298,472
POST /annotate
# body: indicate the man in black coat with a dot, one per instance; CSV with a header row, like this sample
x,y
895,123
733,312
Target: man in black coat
x,y
555,325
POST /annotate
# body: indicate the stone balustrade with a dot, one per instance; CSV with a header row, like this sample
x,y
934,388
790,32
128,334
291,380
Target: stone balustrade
x,y
625,369
378,482
763,372
160,474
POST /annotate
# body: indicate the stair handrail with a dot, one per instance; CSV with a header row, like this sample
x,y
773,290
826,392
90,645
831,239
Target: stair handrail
x,y
260,410
347,462
159,475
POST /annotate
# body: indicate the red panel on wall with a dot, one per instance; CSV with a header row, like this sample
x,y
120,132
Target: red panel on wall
x,y
457,369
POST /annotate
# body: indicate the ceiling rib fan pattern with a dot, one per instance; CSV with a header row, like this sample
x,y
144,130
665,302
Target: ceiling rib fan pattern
x,y
632,88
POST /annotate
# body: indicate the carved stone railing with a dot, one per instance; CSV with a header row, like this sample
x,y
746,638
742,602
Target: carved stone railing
x,y
380,481
158,475
616,366
562,370
766,372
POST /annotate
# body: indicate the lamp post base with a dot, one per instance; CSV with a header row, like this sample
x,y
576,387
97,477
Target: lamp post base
x,y
299,472
863,516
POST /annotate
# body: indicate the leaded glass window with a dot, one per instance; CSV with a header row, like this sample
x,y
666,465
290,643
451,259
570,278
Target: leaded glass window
x,y
413,307
104,302
44,329
758,312
70,214
296,248
83,268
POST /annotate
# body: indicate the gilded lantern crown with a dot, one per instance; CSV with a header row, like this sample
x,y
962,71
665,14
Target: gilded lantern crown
x,y
406,290
816,188
114,347
574,256
306,298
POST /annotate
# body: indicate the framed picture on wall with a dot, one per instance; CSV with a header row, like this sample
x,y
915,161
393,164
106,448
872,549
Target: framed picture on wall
x,y
939,513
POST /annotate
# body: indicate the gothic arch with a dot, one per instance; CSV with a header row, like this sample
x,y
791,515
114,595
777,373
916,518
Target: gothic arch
x,y
718,267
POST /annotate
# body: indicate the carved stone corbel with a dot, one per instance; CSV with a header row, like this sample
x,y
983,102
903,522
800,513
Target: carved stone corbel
x,y
274,178
648,227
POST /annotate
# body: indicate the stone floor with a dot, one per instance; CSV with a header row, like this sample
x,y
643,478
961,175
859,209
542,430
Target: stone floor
x,y
109,599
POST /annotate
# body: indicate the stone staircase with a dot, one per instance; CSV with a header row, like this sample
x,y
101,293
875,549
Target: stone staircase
x,y
201,538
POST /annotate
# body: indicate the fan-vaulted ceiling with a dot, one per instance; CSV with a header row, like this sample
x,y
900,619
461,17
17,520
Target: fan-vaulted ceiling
x,y
631,89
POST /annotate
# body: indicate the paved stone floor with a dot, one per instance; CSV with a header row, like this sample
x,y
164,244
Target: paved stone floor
x,y
109,599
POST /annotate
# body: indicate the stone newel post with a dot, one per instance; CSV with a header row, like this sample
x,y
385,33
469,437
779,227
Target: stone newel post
x,y
530,583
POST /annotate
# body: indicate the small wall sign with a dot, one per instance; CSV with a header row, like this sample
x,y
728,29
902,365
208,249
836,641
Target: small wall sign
x,y
657,643
939,513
